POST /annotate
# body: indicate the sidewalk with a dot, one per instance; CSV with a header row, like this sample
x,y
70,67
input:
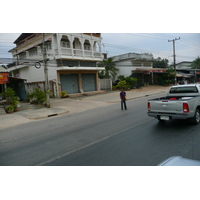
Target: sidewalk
x,y
60,106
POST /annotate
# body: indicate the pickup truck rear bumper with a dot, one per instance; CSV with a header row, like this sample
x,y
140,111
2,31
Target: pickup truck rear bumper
x,y
171,115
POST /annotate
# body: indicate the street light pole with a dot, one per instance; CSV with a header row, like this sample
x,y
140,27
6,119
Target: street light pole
x,y
45,72
175,81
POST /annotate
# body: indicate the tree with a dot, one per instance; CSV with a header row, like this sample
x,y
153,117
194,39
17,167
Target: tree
x,y
196,63
110,69
160,63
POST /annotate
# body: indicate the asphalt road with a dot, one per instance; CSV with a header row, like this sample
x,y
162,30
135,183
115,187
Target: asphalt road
x,y
104,136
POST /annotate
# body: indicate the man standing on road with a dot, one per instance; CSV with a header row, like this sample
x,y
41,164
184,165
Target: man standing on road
x,y
123,99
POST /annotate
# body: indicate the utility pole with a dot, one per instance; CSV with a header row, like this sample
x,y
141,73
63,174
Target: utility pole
x,y
174,58
45,72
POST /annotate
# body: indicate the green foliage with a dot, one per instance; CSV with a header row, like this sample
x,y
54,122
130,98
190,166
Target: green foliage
x,y
121,77
9,94
121,84
37,96
101,74
166,78
63,94
196,63
14,101
9,108
114,87
160,63
110,69
130,82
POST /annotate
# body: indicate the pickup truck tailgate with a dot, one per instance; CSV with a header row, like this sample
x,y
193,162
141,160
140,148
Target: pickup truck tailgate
x,y
166,106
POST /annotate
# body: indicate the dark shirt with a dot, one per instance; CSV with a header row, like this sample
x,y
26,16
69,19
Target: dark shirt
x,y
122,95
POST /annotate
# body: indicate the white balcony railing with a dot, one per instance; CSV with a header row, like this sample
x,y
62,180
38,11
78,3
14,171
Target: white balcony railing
x,y
73,53
88,54
66,51
78,52
97,55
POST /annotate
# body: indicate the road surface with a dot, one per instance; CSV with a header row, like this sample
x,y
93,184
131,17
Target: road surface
x,y
104,136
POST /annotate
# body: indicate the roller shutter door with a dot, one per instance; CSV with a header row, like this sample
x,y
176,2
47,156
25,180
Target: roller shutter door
x,y
89,83
69,83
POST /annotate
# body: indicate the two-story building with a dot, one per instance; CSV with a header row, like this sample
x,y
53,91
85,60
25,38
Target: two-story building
x,y
72,61
182,65
126,63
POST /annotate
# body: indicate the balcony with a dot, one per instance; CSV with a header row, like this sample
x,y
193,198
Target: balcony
x,y
68,53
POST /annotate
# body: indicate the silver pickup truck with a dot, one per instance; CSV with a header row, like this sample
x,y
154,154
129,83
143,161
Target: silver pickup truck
x,y
181,102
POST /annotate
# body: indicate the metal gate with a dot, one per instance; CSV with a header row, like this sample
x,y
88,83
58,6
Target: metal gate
x,y
69,83
89,83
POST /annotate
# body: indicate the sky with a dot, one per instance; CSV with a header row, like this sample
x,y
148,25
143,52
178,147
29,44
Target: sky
x,y
140,27
187,48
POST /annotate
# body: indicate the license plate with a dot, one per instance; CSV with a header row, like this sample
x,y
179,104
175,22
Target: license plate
x,y
164,117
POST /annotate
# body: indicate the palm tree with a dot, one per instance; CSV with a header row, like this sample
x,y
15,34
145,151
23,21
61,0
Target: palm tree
x,y
110,69
196,63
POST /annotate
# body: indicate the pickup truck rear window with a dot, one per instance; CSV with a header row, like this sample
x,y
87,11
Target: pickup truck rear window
x,y
190,89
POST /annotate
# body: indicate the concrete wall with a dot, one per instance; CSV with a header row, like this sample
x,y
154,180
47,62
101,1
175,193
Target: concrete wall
x,y
105,84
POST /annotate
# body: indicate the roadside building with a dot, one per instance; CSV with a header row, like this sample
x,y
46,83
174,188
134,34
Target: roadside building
x,y
126,63
182,65
71,61
147,76
186,73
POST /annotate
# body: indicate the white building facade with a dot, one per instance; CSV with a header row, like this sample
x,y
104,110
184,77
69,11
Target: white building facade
x,y
182,65
72,61
126,63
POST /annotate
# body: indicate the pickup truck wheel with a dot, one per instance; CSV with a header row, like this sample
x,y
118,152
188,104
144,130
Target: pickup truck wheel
x,y
196,118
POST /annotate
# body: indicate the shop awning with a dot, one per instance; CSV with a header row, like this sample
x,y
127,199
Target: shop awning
x,y
145,70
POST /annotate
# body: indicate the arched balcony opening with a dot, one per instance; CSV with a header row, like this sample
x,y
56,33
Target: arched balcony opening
x,y
87,45
96,49
65,45
77,47
96,46
87,49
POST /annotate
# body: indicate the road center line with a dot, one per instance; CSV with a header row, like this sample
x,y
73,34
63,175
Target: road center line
x,y
90,144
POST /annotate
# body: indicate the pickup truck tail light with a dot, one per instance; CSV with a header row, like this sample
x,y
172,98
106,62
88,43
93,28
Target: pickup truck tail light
x,y
149,107
185,108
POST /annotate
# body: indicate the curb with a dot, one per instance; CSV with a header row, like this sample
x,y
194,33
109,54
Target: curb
x,y
50,114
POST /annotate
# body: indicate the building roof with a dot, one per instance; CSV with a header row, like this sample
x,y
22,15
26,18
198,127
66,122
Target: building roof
x,y
22,37
133,56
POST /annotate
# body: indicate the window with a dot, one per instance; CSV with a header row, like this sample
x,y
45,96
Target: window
x,y
69,63
190,89
86,47
65,43
87,64
22,56
48,45
33,52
